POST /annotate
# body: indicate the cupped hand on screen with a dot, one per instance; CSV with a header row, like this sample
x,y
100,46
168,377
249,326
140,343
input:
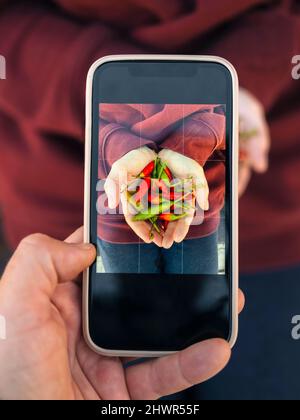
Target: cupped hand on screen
x,y
183,167
254,138
122,172
44,356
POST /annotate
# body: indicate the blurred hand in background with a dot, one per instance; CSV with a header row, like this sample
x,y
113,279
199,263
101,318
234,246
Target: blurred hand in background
x,y
254,138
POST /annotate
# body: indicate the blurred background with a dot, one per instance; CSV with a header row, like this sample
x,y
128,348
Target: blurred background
x,y
49,46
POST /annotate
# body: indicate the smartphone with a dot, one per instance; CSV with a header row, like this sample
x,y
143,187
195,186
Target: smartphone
x,y
161,171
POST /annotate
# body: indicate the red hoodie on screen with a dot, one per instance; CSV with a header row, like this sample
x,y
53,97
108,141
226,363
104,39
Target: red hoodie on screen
x,y
48,52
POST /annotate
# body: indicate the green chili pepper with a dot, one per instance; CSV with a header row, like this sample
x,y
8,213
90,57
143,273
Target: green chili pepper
x,y
247,135
151,234
168,173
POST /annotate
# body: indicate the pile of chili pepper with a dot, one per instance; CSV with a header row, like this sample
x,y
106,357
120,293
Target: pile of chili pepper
x,y
158,198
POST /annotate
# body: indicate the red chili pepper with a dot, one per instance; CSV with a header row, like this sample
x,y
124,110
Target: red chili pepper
x,y
147,171
169,173
244,156
143,189
170,217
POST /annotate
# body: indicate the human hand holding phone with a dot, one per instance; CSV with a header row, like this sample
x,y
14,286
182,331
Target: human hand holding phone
x,y
183,167
45,356
122,172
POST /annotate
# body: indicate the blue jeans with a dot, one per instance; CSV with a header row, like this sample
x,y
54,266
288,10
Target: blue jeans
x,y
195,256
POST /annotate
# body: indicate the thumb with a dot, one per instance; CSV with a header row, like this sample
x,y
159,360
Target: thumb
x,y
40,263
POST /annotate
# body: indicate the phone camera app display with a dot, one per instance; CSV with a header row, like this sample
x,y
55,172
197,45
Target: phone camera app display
x,y
161,189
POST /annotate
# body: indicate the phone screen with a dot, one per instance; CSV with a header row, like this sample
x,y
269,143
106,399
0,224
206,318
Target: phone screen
x,y
160,205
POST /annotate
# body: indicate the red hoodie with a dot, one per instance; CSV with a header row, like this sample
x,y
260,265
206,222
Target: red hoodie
x,y
48,53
